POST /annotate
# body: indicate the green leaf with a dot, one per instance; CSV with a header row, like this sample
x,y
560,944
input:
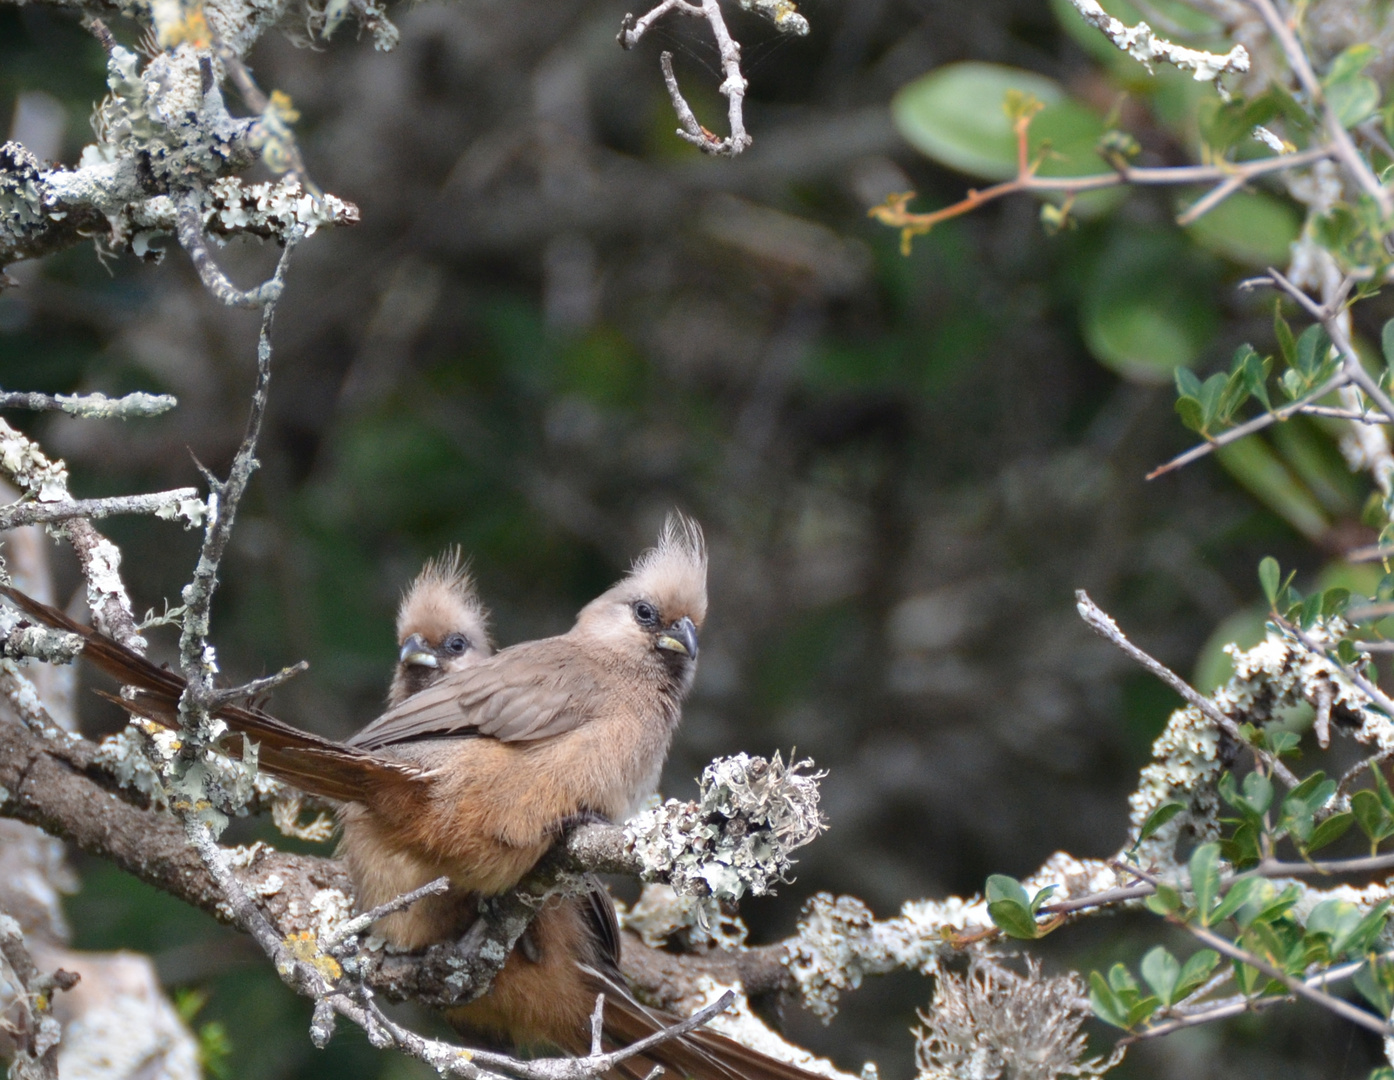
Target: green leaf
x,y
1192,414
1042,895
1240,894
1106,1004
954,115
1014,919
1362,936
1205,878
1199,966
1159,817
1316,791
1287,344
1253,463
1311,611
1161,970
1386,797
1276,910
1002,887
1187,383
1212,392
1373,818
1375,981
1346,652
1258,792
1269,575
1386,341
1121,979
1164,901
1352,95
1334,602
1281,742
1256,371
1312,349
1250,227
1330,830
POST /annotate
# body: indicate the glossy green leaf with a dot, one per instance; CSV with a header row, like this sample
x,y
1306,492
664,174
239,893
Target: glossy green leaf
x,y
954,115
1330,830
1269,575
1241,893
1250,228
1199,966
1159,817
1205,878
1106,1003
1161,971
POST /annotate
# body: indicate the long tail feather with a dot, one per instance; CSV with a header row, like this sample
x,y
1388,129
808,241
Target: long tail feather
x,y
310,762
698,1055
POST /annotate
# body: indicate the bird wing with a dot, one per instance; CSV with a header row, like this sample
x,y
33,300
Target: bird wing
x,y
530,691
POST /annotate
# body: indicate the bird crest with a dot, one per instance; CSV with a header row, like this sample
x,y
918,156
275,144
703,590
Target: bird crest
x,y
442,599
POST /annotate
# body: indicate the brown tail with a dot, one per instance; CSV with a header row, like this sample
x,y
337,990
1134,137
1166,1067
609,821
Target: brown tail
x,y
314,764
698,1055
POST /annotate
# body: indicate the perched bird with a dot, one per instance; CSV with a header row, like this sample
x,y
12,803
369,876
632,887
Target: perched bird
x,y
442,626
475,774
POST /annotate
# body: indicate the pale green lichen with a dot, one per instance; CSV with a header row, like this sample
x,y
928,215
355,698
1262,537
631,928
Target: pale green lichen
x,y
749,815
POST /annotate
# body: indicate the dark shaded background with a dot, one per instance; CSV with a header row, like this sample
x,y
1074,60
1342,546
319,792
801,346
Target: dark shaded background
x,y
556,322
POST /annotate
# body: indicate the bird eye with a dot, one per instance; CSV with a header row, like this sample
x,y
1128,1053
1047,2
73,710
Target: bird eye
x,y
645,613
455,644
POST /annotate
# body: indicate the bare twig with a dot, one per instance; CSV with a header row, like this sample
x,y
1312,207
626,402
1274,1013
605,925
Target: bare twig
x,y
1258,423
1105,627
37,1033
1355,415
161,503
191,239
256,686
90,406
359,923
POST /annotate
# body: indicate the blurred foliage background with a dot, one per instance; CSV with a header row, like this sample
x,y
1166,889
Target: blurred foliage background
x,y
556,322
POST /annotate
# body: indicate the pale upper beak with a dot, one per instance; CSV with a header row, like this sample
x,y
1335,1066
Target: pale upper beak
x,y
681,637
416,651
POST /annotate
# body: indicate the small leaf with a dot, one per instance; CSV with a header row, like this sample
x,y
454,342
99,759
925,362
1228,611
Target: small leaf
x,y
1106,1004
1014,919
1311,611
1159,817
1161,970
1312,348
1205,878
1164,901
1187,383
1198,967
1042,895
1258,792
1330,830
1346,652
1240,894
1386,341
1121,979
1269,575
1287,344
1375,981
1362,936
1002,887
1191,413
1334,602
1281,742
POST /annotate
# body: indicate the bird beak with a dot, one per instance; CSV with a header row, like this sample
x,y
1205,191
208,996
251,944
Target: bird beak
x,y
681,637
416,651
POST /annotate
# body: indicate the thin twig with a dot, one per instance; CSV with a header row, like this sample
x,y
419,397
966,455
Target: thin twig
x,y
164,503
1105,627
1373,692
1354,415
256,686
1299,987
91,406
191,239
359,923
1258,423
597,1023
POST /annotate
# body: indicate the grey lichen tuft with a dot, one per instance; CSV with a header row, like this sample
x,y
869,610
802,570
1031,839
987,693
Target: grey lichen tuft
x,y
749,815
993,1022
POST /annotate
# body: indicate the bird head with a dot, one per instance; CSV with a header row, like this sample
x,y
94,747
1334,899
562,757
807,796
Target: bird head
x,y
659,607
442,626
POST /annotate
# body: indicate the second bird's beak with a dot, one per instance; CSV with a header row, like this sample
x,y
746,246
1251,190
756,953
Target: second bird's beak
x,y
416,651
681,637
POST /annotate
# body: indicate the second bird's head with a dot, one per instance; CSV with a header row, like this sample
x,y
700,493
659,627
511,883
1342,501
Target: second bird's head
x,y
655,613
442,626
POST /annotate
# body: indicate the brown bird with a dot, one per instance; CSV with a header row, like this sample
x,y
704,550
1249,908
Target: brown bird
x,y
476,774
442,626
